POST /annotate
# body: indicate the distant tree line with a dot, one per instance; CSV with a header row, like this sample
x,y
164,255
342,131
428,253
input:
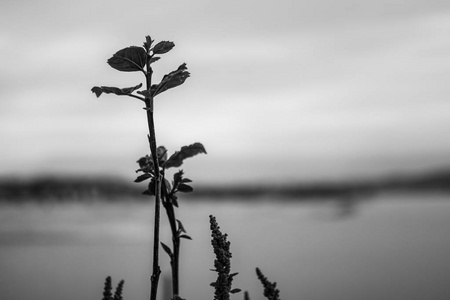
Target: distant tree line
x,y
63,189
44,189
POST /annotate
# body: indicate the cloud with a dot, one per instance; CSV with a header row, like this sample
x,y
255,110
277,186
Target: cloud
x,y
321,84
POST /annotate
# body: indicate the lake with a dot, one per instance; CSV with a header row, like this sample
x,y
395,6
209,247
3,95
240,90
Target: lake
x,y
390,246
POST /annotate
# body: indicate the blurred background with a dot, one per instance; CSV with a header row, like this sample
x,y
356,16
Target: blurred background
x,y
326,126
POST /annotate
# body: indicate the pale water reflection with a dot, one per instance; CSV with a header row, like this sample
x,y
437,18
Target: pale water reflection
x,y
390,247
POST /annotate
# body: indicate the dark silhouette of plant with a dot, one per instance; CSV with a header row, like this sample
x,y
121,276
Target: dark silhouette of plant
x,y
169,198
246,296
140,59
153,167
222,263
107,291
270,289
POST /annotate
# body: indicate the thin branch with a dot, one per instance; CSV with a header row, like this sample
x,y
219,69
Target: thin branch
x,y
137,97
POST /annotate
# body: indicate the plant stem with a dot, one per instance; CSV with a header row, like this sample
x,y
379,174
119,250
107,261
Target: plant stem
x,y
153,149
174,261
174,258
175,265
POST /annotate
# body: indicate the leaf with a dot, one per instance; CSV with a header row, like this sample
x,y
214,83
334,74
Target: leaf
x,y
176,159
153,59
148,43
167,186
163,47
146,93
184,188
177,177
146,165
167,249
162,154
185,236
173,79
129,59
98,90
144,161
151,187
186,180
180,226
142,177
234,291
174,199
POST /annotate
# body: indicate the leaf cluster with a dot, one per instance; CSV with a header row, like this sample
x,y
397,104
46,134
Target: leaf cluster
x,y
107,291
134,58
179,183
169,190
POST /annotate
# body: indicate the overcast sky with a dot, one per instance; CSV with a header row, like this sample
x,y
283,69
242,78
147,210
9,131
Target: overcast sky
x,y
279,90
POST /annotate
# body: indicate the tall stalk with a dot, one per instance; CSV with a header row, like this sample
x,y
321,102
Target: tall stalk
x,y
154,279
133,59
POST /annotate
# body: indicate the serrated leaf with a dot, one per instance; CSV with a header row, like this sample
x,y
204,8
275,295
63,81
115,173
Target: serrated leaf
x,y
171,80
184,188
98,90
167,249
142,177
163,47
234,291
185,236
176,159
129,59
180,226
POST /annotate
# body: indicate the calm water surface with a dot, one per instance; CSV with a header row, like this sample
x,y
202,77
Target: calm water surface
x,y
390,247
